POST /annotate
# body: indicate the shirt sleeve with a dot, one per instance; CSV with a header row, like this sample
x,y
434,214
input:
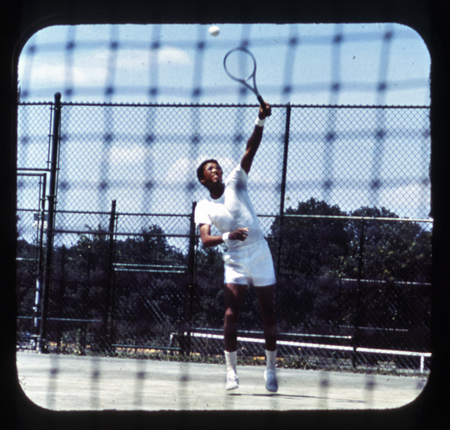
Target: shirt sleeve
x,y
201,215
237,176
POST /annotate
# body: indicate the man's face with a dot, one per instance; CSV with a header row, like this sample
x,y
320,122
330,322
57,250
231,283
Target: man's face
x,y
212,173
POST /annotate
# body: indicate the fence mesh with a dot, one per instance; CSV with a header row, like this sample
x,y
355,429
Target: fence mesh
x,y
342,194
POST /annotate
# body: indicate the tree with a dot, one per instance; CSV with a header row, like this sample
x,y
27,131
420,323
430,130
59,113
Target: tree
x,y
393,250
310,246
26,274
141,300
309,253
396,265
149,287
320,283
208,301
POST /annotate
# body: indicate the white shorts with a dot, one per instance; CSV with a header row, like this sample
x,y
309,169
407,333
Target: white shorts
x,y
251,264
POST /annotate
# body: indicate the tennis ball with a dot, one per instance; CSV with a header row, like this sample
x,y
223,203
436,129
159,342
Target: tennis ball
x,y
214,30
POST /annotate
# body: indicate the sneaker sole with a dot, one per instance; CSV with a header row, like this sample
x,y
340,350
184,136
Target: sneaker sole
x,y
233,387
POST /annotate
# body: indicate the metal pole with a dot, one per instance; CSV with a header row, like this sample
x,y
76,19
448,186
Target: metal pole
x,y
61,291
41,225
191,262
107,316
39,269
189,286
84,300
283,182
356,335
43,345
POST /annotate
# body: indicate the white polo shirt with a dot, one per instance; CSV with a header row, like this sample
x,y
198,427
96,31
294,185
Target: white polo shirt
x,y
232,210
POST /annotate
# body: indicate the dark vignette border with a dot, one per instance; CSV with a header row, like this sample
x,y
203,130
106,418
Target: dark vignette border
x,y
19,19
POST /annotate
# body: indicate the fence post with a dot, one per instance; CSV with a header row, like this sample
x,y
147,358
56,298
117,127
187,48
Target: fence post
x,y
109,293
283,183
82,341
40,265
61,292
356,334
185,335
43,344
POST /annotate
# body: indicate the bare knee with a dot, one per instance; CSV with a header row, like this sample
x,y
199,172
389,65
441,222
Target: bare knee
x,y
231,316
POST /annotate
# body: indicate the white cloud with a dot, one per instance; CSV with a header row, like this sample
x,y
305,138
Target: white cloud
x,y
128,155
87,69
410,200
182,167
169,54
90,67
135,59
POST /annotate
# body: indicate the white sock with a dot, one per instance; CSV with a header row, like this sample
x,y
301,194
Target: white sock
x,y
271,359
231,360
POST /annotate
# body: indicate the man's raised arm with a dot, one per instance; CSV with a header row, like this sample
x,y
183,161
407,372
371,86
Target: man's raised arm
x,y
255,140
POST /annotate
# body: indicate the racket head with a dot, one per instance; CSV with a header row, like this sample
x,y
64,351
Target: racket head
x,y
240,65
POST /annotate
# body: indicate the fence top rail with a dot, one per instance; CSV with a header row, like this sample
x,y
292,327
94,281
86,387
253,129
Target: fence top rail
x,y
152,214
106,232
347,217
140,214
43,103
359,218
224,105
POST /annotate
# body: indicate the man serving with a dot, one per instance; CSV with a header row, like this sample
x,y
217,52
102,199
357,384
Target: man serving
x,y
247,259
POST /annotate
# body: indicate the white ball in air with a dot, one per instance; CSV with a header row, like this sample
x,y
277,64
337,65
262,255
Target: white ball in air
x,y
214,30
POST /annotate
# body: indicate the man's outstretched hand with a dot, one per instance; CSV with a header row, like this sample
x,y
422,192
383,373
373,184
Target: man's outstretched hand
x,y
264,113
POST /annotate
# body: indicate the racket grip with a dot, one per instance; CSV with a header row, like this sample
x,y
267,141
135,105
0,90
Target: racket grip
x,y
262,103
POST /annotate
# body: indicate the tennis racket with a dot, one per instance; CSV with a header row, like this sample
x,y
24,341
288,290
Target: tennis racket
x,y
240,65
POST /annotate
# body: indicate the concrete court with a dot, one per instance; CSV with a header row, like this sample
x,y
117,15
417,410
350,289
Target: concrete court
x,y
90,383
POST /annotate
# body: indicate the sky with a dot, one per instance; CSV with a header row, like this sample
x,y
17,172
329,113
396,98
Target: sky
x,y
307,64
82,62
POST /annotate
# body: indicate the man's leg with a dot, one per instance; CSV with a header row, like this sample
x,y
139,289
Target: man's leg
x,y
267,307
233,294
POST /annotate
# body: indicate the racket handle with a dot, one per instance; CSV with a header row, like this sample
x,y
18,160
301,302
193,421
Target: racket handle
x,y
262,103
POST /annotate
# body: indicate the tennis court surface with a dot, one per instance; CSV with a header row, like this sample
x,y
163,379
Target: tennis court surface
x,y
91,383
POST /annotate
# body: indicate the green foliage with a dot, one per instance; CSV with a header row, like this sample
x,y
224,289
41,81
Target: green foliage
x,y
327,282
310,246
337,273
151,247
137,297
207,309
396,256
392,251
26,273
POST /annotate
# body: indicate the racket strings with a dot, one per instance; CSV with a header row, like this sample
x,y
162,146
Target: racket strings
x,y
240,65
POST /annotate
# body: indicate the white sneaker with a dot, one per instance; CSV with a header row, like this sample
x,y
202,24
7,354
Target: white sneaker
x,y
232,380
271,380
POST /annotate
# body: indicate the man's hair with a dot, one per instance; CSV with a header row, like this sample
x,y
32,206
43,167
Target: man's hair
x,y
201,168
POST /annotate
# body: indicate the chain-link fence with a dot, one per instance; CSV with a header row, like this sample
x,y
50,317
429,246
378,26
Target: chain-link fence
x,y
342,195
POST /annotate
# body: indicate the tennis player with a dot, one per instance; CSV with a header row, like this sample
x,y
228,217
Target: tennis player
x,y
247,257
